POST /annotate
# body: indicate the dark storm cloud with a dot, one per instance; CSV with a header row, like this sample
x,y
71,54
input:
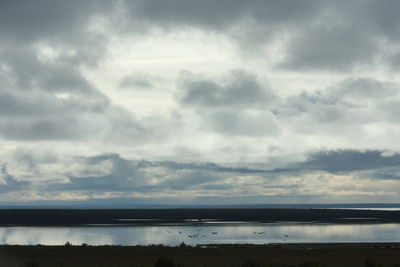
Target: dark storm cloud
x,y
350,161
219,14
28,21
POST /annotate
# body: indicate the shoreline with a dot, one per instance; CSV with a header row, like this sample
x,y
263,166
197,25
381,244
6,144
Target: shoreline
x,y
143,217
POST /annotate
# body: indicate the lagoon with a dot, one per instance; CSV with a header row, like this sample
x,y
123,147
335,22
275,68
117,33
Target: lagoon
x,y
173,235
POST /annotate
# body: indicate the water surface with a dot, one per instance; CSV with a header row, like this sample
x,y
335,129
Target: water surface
x,y
202,234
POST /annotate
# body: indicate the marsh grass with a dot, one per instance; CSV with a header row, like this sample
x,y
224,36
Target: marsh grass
x,y
288,255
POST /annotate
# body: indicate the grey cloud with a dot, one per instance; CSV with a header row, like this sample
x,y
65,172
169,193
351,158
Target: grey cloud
x,y
343,109
366,31
357,90
219,14
394,61
381,17
111,173
241,90
388,173
193,179
123,175
350,160
126,175
329,36
52,100
26,72
243,123
11,184
236,106
42,129
27,21
338,49
64,27
316,41
137,81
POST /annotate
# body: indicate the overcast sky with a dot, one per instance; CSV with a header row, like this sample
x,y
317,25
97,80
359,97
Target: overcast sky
x,y
211,101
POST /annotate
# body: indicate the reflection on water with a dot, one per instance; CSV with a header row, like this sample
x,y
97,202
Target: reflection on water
x,y
203,234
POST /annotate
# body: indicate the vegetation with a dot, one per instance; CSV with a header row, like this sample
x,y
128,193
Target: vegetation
x,y
49,217
288,255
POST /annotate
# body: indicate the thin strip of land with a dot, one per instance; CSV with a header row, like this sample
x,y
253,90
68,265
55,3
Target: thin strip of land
x,y
59,217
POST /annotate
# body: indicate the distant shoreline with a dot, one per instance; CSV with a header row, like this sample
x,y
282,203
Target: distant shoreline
x,y
136,217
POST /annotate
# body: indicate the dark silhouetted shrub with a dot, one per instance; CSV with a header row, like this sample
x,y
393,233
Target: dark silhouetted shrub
x,y
251,263
309,264
164,262
371,262
183,245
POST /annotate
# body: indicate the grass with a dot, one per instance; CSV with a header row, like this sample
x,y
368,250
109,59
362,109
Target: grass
x,y
288,255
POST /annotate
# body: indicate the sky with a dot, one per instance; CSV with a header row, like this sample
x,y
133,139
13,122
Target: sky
x,y
205,102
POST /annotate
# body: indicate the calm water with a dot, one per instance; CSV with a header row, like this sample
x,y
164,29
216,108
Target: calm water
x,y
174,235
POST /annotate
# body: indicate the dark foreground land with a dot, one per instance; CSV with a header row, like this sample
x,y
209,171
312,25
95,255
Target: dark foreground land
x,y
58,217
300,255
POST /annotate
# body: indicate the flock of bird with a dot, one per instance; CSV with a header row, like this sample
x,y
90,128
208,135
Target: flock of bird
x,y
285,236
199,235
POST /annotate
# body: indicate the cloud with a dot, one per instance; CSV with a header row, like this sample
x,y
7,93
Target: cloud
x,y
330,173
313,35
240,89
363,89
244,123
137,81
25,21
218,15
310,110
330,49
353,110
52,100
350,160
238,105
9,182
